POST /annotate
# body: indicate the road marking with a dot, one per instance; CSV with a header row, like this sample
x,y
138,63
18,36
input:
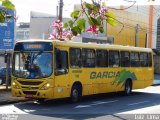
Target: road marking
x,y
95,103
138,103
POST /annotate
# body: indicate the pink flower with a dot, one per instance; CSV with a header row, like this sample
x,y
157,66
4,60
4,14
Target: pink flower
x,y
57,24
93,29
52,36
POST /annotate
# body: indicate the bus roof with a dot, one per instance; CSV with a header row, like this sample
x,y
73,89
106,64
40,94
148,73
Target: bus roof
x,y
90,45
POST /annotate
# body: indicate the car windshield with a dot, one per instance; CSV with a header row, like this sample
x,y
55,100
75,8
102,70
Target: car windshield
x,y
32,64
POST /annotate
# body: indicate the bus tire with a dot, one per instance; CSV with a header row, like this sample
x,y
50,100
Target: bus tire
x,y
128,87
76,93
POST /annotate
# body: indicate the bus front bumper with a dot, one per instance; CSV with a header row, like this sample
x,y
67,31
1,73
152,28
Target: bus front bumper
x,y
33,93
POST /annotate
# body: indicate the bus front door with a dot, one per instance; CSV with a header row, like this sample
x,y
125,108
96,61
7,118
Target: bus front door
x,y
61,88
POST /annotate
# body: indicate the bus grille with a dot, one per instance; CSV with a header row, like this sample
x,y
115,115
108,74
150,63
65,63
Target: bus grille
x,y
30,83
26,87
30,92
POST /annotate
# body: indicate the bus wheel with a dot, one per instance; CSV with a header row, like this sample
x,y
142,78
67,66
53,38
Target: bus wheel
x,y
128,87
76,93
41,100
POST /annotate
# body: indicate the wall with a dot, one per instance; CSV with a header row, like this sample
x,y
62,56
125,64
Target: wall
x,y
127,35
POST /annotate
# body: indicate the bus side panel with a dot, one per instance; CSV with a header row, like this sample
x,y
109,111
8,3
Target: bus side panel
x,y
83,76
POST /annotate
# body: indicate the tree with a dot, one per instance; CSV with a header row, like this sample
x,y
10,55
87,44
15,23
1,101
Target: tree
x,y
6,5
95,15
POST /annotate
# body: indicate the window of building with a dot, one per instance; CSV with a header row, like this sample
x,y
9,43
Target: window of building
x,y
88,57
102,58
134,56
75,57
125,59
114,59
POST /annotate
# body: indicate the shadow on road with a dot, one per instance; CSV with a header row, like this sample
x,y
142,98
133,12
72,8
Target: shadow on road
x,y
65,109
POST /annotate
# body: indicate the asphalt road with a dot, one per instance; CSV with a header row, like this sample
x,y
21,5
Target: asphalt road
x,y
106,106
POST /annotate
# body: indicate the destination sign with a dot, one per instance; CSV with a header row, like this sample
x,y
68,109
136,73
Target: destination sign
x,y
34,46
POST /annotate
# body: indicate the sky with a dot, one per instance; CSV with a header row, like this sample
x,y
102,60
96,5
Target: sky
x,y
23,7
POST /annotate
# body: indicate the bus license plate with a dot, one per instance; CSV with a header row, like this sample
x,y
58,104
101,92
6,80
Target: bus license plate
x,y
29,96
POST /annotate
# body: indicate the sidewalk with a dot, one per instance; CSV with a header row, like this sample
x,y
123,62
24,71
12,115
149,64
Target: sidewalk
x,y
6,97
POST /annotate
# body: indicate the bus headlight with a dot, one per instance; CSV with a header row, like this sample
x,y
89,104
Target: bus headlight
x,y
15,85
45,87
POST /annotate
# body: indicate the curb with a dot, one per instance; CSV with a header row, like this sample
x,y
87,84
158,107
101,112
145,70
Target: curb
x,y
12,102
4,90
156,84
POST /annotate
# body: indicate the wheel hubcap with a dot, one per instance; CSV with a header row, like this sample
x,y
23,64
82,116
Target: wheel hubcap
x,y
75,93
128,89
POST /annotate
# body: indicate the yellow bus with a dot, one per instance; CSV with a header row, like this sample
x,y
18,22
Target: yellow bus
x,y
51,69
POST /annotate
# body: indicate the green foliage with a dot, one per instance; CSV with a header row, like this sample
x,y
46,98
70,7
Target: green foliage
x,y
75,14
90,21
81,24
2,18
70,23
95,14
110,18
101,30
65,25
76,30
89,6
111,21
7,4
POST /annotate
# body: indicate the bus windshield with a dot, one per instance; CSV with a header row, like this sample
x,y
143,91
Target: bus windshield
x,y
32,64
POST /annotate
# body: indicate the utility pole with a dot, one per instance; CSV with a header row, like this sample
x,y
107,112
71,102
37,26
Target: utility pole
x,y
57,12
7,55
60,15
60,9
136,35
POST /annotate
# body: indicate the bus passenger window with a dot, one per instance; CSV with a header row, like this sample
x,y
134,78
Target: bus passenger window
x,y
149,59
88,57
102,58
125,59
114,60
61,62
75,57
135,61
143,60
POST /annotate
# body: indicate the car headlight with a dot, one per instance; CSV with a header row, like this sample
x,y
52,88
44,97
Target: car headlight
x,y
45,87
14,85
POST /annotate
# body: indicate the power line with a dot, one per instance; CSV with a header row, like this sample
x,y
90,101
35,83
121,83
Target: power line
x,y
134,2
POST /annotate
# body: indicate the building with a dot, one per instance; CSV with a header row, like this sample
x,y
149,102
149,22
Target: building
x,y
142,19
158,35
22,31
40,25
